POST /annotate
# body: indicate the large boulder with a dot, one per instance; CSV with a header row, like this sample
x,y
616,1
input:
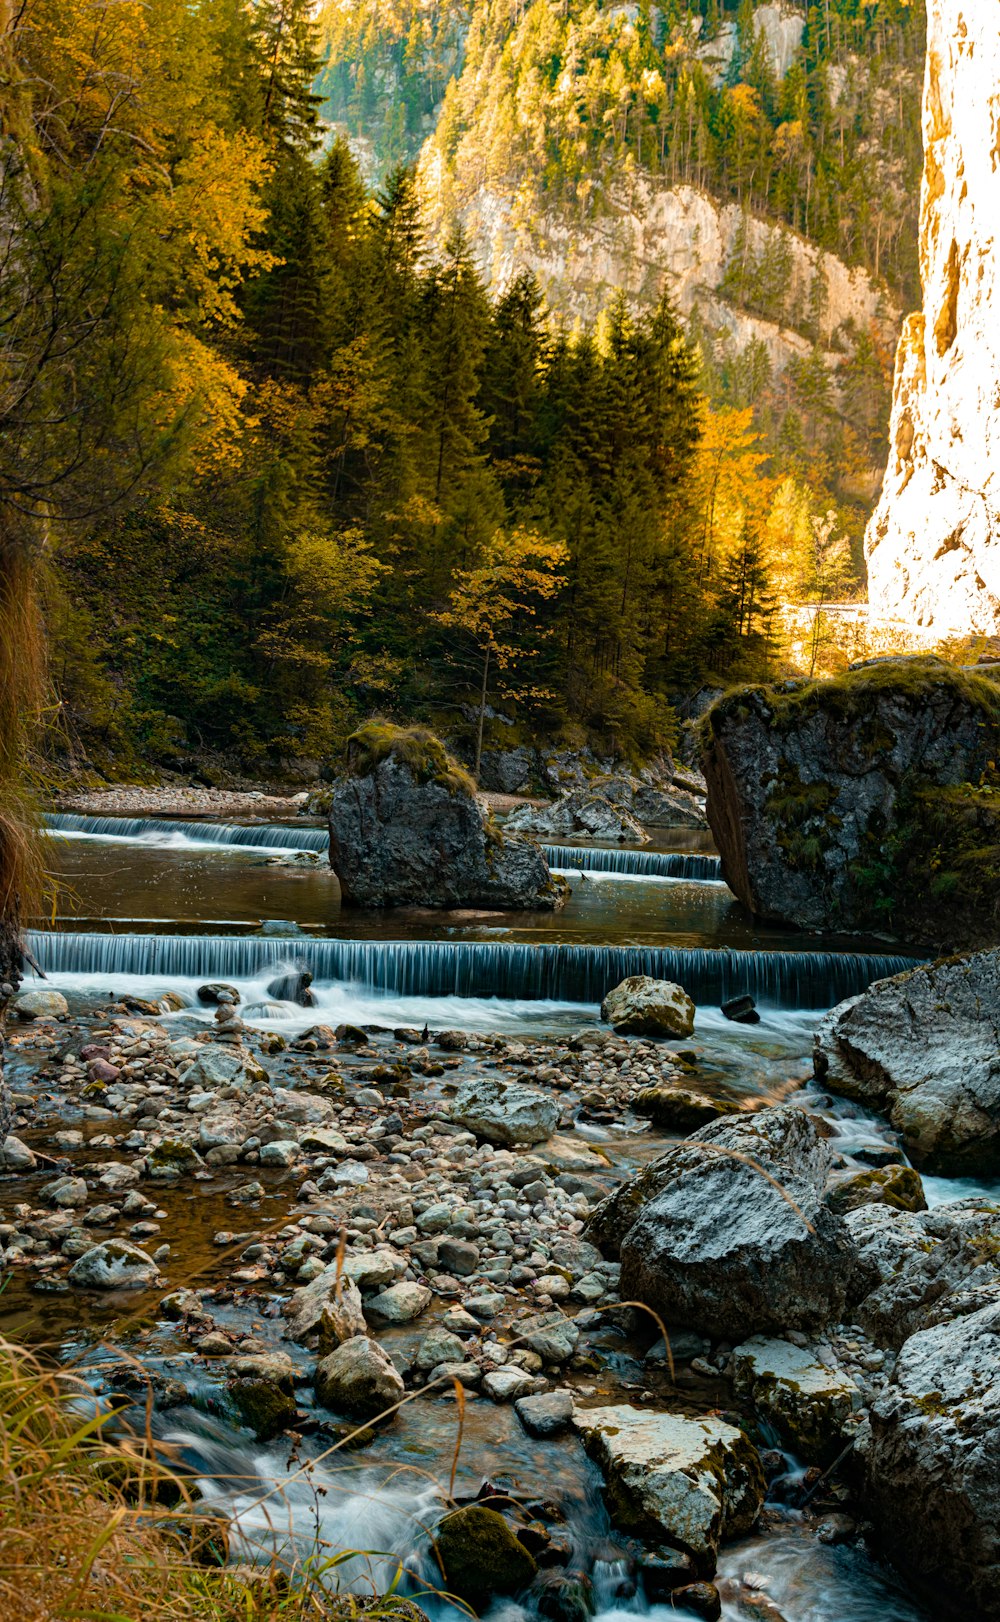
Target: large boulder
x,y
691,1481
479,1555
847,804
504,1113
728,1233
406,829
931,1456
924,1048
914,1270
641,1006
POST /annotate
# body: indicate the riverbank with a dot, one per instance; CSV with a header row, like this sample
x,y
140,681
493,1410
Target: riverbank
x,y
168,800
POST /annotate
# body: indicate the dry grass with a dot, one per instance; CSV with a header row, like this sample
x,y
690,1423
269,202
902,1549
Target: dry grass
x,y
93,1527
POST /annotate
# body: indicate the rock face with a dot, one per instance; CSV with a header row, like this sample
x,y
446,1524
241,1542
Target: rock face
x,y
504,1113
933,545
932,1464
914,1271
727,1233
406,830
924,1048
691,1481
846,804
641,1006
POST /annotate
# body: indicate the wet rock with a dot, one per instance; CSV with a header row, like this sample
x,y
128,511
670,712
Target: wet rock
x,y
16,1156
281,1152
641,1006
263,1405
931,1457
172,1160
359,1378
701,1599
545,1414
437,1347
406,829
293,987
67,1192
479,1555
741,1010
554,1337
400,1304
114,1265
924,1048
217,992
503,1385
898,1186
678,1109
728,1231
693,1481
504,1113
664,1570
39,1005
812,1407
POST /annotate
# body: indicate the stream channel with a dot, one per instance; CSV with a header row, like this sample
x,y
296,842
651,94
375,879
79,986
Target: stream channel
x,y
147,908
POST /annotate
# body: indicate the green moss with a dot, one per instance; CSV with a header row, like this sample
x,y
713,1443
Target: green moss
x,y
416,747
850,696
480,1555
262,1406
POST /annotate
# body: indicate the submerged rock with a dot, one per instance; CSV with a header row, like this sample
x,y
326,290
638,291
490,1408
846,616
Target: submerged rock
x,y
728,1233
642,1006
680,1109
811,1406
479,1555
406,830
504,1113
931,1456
924,1048
693,1481
846,804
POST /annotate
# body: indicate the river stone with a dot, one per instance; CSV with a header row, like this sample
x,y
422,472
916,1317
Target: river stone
x,y
692,1481
924,1048
545,1414
458,1257
263,1406
931,1456
116,1264
680,1109
479,1555
406,829
503,1385
282,1152
67,1192
811,1407
727,1233
221,1066
328,1301
324,1140
216,992
504,1113
373,1270
16,1156
642,1006
552,1336
437,1347
898,1186
400,1303
359,1378
40,1005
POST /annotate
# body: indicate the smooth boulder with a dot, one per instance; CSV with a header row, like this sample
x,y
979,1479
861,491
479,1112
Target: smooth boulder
x,y
728,1233
406,829
504,1113
692,1481
116,1264
359,1379
924,1049
642,1006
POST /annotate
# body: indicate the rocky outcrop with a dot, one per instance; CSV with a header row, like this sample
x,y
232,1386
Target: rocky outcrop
x,y
931,1456
406,830
913,1271
728,1234
693,1482
582,813
924,1048
933,545
641,1006
849,805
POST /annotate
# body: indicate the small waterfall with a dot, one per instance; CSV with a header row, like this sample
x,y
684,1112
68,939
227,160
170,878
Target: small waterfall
x,y
265,836
504,969
652,864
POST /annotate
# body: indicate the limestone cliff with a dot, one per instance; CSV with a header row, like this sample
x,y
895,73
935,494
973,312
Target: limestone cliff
x,y
933,545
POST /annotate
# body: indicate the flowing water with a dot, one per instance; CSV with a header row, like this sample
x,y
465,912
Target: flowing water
x,y
150,906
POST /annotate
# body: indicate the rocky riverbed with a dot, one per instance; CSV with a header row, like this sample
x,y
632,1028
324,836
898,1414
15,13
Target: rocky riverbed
x,y
312,1232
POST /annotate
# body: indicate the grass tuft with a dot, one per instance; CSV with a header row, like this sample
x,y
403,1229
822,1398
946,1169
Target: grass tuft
x,y
416,747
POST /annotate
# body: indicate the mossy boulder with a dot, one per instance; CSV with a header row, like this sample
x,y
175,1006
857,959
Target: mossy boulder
x,y
866,802
898,1186
680,1109
406,829
812,1406
263,1406
479,1555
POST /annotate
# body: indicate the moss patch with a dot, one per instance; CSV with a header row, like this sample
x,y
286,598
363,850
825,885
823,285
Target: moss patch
x,y
415,747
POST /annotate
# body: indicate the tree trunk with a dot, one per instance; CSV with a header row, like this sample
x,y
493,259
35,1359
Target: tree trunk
x,y
482,714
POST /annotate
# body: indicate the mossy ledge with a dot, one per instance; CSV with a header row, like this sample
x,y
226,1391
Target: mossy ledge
x,y
870,802
415,747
